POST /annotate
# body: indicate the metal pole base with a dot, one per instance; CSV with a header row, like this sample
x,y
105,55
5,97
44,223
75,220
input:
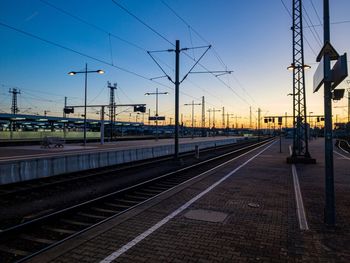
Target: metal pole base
x,y
301,159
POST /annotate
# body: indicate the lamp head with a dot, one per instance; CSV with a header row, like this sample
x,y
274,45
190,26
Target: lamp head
x,y
72,73
100,71
291,67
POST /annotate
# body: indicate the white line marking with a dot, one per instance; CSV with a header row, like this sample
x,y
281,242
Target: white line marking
x,y
166,219
345,157
303,225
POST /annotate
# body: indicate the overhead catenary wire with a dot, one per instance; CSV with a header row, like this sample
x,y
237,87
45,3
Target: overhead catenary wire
x,y
311,27
195,31
318,17
213,49
92,25
306,40
77,52
164,38
110,34
142,22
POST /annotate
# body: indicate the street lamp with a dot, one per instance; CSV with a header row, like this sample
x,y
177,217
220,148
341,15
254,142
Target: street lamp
x,y
292,66
86,71
156,93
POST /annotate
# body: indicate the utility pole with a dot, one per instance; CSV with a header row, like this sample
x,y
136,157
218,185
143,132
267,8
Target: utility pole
x,y
157,117
192,104
236,117
348,103
111,107
65,105
223,117
250,117
102,129
228,120
214,110
300,136
149,115
329,210
209,110
285,119
177,84
14,108
259,112
64,116
203,116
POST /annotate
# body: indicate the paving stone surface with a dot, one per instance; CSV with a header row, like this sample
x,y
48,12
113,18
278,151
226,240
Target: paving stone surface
x,y
268,232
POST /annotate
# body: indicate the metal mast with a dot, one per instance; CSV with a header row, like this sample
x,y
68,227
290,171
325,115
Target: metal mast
x,y
111,107
300,136
203,116
14,108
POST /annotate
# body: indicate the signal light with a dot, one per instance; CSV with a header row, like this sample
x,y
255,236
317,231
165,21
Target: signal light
x,y
68,110
279,120
140,109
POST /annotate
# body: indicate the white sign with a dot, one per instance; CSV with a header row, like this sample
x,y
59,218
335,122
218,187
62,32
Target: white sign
x,y
319,76
339,71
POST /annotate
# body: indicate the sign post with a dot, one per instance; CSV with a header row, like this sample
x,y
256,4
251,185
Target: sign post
x,y
330,79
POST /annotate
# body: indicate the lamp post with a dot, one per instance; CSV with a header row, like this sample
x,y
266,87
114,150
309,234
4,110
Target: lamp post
x,y
86,71
310,134
156,93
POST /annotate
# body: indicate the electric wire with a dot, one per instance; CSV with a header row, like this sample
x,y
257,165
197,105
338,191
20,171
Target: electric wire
x,y
313,6
164,38
92,25
195,31
110,47
189,31
203,39
336,23
101,30
306,40
314,31
142,22
37,91
92,100
77,52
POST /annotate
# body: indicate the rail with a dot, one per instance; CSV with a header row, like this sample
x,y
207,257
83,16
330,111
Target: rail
x,y
24,241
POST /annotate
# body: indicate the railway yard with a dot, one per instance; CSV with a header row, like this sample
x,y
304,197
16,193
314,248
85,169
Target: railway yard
x,y
237,202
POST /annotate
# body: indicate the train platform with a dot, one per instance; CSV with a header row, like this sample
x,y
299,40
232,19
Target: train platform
x,y
32,151
23,163
257,208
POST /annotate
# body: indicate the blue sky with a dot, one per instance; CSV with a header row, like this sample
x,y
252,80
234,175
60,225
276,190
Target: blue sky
x,y
251,37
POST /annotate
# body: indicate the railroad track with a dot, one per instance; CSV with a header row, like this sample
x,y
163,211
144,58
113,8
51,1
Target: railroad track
x,y
24,241
343,145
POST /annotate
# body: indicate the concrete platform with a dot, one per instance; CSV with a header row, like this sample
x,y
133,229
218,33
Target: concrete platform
x,y
245,211
22,163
